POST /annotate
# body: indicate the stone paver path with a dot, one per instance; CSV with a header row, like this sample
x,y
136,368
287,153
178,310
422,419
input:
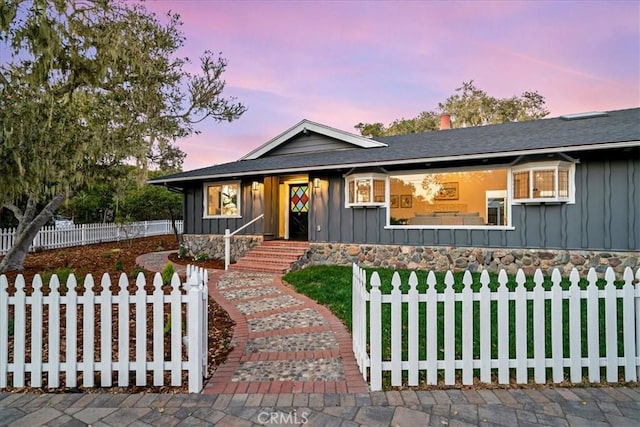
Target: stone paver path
x,y
283,341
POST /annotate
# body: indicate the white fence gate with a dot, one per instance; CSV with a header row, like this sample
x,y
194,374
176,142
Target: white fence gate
x,y
84,234
39,348
552,329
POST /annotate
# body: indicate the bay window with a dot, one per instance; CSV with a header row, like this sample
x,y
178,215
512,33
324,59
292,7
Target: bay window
x,y
365,190
543,182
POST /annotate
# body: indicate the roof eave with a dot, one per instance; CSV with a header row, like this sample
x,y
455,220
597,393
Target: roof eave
x,y
563,149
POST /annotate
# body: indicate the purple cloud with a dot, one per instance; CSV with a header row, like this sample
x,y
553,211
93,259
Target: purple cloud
x,y
340,63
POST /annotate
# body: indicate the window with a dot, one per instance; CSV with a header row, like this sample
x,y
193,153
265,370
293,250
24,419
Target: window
x,y
222,199
366,190
496,207
543,182
475,198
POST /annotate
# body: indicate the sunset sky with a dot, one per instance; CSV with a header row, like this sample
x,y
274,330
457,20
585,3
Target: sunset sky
x,y
344,62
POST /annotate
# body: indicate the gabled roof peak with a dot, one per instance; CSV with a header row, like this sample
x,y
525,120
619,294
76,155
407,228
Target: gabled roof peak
x,y
305,126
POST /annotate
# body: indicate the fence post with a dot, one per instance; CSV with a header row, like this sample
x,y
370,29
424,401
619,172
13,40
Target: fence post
x,y
432,328
396,331
629,332
194,324
227,248
637,311
4,332
375,333
413,329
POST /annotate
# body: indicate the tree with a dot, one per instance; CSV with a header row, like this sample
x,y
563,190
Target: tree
x,y
124,199
470,106
92,84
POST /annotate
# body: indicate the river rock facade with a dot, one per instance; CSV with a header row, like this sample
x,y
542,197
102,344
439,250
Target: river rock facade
x,y
211,246
472,259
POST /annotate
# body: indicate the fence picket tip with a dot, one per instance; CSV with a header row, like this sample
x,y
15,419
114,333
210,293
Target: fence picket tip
x,y
538,277
502,277
413,281
610,276
37,282
123,283
484,278
627,276
396,282
448,279
467,279
54,283
375,280
431,279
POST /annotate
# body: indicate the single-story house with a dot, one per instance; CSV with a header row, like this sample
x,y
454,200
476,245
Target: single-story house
x,y
560,192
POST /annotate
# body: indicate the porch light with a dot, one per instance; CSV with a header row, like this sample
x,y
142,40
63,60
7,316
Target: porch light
x,y
255,186
316,183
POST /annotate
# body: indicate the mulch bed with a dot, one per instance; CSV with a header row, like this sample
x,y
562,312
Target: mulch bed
x,y
115,258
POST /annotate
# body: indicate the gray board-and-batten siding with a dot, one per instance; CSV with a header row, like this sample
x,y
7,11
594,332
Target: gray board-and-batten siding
x,y
605,216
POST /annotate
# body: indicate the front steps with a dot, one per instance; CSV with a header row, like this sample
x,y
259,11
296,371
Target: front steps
x,y
271,256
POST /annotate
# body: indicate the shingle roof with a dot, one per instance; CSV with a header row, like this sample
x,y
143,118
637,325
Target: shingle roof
x,y
621,127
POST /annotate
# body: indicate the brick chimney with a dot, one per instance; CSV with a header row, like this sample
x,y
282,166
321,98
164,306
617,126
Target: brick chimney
x,y
445,121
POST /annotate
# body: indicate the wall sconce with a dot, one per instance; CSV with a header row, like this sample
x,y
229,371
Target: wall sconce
x,y
316,183
255,186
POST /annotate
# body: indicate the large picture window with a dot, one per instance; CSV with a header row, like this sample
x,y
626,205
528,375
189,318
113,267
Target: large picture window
x,y
222,199
458,199
543,182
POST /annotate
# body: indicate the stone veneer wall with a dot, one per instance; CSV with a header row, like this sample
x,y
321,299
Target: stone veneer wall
x,y
213,245
473,259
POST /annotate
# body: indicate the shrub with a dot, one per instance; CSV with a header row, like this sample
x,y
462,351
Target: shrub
x,y
118,265
182,252
63,274
135,271
201,257
167,273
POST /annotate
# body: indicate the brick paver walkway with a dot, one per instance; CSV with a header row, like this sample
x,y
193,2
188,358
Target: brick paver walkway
x,y
283,341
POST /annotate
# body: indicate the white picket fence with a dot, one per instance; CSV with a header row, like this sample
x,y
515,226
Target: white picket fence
x,y
49,353
549,356
51,237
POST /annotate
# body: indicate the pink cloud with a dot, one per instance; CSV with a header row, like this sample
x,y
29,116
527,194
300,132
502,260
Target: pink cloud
x,y
340,63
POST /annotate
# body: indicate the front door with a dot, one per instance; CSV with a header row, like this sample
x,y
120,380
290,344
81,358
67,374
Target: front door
x,y
299,211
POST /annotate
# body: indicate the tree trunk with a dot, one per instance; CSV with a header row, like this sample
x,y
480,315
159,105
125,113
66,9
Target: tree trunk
x,y
173,226
26,232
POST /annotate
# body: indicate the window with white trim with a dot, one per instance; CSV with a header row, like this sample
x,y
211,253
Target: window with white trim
x,y
365,190
549,182
222,199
